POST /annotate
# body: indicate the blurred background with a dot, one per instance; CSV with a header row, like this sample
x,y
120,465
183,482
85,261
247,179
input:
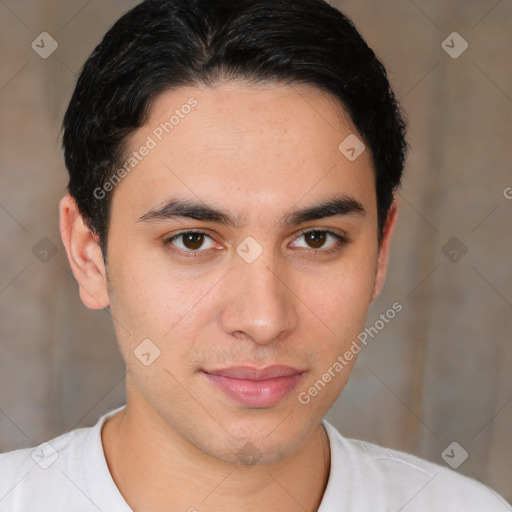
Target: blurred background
x,y
437,374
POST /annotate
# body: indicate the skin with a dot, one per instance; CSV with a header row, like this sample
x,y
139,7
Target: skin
x,y
258,152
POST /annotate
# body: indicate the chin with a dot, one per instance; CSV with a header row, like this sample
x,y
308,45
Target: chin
x,y
261,440
248,452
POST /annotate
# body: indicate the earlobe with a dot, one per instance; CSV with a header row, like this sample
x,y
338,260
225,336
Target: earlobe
x,y
382,261
84,255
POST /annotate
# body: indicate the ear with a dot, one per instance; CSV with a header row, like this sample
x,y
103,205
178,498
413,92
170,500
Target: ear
x,y
382,260
84,255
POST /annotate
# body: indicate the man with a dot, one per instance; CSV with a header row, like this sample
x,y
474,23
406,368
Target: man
x,y
232,167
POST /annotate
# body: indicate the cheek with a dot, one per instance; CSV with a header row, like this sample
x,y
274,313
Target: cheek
x,y
150,302
342,296
339,310
146,292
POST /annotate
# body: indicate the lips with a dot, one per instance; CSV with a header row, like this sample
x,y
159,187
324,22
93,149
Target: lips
x,y
256,387
247,372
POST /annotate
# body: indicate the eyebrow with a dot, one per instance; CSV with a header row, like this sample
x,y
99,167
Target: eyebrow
x,y
186,208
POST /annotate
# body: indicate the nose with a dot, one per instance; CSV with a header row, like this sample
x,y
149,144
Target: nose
x,y
258,301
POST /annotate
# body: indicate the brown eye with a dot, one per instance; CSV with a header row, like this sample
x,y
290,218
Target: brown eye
x,y
193,241
321,241
316,239
190,243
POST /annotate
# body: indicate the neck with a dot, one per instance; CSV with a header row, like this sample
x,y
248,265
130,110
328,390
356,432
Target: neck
x,y
156,469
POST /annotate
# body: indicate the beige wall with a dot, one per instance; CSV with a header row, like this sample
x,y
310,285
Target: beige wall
x,y
438,372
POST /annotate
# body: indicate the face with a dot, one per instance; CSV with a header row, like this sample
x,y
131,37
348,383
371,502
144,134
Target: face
x,y
220,253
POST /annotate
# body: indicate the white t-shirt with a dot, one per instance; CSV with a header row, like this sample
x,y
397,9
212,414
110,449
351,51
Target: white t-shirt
x,y
70,474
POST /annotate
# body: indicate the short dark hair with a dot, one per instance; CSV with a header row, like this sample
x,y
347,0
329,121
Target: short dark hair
x,y
161,45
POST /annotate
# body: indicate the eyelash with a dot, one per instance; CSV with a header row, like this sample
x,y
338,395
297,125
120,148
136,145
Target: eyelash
x,y
341,241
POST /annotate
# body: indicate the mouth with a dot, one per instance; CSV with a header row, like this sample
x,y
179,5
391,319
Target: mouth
x,y
253,387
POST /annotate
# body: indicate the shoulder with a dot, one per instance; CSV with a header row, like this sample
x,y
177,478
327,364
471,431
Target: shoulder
x,y
40,470
406,481
66,473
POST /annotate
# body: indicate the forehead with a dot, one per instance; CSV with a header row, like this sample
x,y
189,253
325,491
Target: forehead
x,y
261,145
226,115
